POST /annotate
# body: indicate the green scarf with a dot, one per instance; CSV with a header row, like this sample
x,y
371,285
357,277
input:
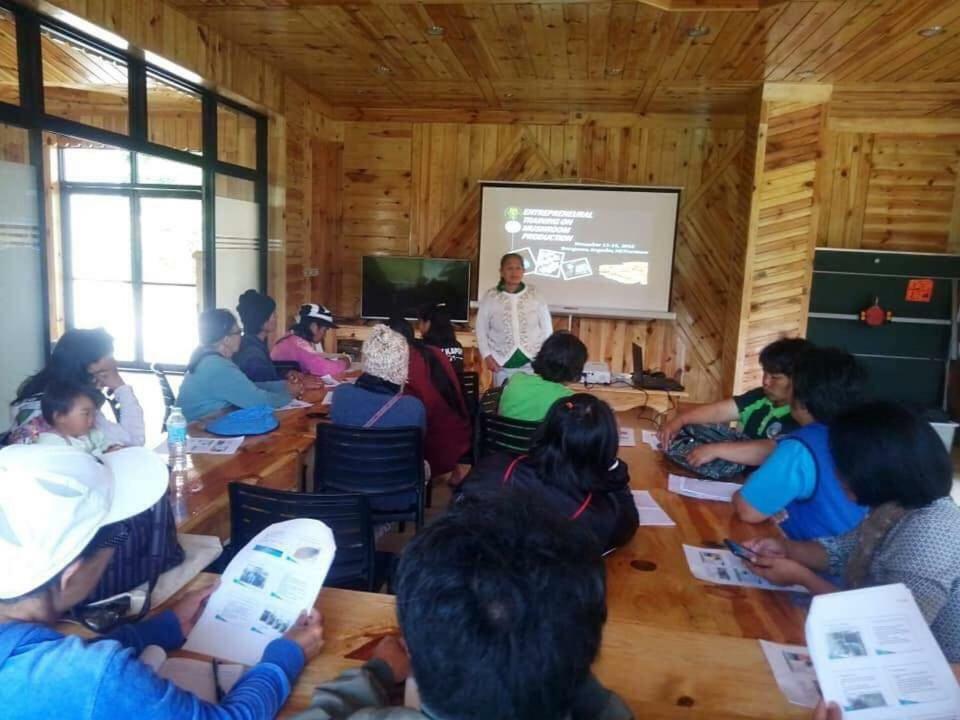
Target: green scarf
x,y
501,287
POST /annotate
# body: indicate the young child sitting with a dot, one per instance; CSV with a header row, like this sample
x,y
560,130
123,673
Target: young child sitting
x,y
71,411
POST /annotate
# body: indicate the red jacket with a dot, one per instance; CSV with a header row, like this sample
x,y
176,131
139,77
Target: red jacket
x,y
448,433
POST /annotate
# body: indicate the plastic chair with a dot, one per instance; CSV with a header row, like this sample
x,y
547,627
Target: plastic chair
x,y
169,399
501,434
252,509
385,464
470,382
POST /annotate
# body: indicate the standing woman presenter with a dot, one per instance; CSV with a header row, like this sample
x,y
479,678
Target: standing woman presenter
x,y
512,322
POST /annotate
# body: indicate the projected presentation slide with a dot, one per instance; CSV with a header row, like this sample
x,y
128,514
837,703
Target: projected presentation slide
x,y
585,248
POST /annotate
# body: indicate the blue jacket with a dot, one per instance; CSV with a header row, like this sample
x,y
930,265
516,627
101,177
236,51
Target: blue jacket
x,y
253,358
354,406
217,384
45,675
828,511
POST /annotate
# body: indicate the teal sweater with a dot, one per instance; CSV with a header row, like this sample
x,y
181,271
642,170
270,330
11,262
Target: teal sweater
x,y
218,384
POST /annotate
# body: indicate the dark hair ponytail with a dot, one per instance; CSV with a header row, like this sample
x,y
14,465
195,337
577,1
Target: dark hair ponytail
x,y
441,381
75,351
441,333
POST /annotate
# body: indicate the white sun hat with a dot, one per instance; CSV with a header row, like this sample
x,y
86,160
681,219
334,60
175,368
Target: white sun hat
x,y
54,500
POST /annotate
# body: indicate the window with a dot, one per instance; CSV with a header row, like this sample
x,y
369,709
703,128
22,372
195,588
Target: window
x,y
236,137
174,115
84,84
134,250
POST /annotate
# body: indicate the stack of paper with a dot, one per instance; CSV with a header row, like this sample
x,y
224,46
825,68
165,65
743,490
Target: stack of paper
x,y
724,568
793,671
702,489
877,659
194,676
628,437
649,511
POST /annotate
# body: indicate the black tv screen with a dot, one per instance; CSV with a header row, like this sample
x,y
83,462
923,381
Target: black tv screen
x,y
402,285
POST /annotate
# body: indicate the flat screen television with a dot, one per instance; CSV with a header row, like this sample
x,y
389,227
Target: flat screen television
x,y
394,285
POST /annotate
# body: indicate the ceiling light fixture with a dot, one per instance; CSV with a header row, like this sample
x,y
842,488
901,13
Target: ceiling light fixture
x,y
932,31
698,32
806,74
508,95
383,69
435,31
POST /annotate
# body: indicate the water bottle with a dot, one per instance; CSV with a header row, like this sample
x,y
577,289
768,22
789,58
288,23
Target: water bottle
x,y
177,440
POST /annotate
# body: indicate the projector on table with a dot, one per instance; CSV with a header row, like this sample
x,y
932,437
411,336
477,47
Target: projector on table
x,y
596,373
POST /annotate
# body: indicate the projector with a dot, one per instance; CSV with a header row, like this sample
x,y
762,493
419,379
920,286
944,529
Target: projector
x,y
596,373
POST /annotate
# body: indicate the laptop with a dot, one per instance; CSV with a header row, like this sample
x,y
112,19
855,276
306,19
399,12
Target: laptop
x,y
647,381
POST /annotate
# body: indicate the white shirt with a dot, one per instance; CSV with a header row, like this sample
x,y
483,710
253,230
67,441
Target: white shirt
x,y
507,322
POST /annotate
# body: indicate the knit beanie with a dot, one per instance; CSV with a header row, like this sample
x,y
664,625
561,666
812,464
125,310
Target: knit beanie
x,y
386,355
254,309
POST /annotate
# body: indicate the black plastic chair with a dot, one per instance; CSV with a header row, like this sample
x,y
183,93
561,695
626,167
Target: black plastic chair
x,y
355,567
490,402
470,382
385,464
169,399
501,434
285,366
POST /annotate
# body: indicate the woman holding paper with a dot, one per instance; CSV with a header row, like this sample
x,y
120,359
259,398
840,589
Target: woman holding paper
x,y
513,320
892,461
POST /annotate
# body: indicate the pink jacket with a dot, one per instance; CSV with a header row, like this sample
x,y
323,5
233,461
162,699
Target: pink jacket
x,y
292,348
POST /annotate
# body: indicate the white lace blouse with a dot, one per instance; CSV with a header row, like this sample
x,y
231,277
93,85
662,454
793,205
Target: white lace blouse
x,y
507,322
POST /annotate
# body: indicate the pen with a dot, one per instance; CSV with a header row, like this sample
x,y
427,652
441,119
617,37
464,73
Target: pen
x,y
216,679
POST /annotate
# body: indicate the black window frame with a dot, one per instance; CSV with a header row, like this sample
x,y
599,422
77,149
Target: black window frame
x,y
31,115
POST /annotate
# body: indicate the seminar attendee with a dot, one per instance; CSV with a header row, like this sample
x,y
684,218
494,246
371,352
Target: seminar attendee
x,y
892,461
258,313
798,485
376,399
513,321
301,343
82,357
501,606
763,414
560,360
64,514
214,383
572,468
71,412
432,380
436,329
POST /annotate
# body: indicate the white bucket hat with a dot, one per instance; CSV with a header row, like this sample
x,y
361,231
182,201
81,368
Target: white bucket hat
x,y
54,500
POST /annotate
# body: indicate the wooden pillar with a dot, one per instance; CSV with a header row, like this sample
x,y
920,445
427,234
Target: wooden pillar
x,y
785,129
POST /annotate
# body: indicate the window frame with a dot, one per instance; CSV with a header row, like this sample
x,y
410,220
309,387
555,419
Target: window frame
x,y
31,115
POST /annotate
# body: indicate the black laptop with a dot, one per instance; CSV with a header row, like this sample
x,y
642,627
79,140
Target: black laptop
x,y
647,381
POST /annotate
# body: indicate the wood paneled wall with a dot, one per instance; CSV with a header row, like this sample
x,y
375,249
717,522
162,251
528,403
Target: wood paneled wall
x,y
411,188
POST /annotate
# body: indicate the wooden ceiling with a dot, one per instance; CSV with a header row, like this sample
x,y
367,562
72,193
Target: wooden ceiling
x,y
593,55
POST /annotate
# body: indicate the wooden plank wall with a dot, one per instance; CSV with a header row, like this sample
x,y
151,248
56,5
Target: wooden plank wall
x,y
782,229
884,191
411,188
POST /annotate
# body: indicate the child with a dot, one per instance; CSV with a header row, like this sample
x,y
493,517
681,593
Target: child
x,y
71,412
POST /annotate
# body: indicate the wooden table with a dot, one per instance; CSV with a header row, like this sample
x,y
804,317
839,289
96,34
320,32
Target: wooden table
x,y
649,581
275,460
660,672
625,397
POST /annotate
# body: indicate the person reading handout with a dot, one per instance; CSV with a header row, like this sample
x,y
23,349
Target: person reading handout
x,y
62,513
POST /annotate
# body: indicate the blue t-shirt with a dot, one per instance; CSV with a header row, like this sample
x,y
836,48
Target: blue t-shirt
x,y
788,474
44,675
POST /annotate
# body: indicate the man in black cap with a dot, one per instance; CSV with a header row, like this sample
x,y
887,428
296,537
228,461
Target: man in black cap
x,y
258,313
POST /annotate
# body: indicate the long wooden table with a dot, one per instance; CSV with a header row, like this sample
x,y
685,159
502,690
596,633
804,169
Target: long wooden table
x,y
625,397
649,581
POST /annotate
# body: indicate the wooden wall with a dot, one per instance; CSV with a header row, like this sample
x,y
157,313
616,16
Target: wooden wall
x,y
411,188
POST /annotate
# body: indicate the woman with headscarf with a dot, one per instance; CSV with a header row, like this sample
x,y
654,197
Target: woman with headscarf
x,y
80,357
213,381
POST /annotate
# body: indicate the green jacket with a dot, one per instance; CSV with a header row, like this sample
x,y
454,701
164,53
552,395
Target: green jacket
x,y
362,694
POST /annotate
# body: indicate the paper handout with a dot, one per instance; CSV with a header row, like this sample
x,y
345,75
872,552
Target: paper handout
x,y
263,590
724,568
793,671
628,437
877,659
702,489
329,381
327,399
649,511
214,446
295,405
649,437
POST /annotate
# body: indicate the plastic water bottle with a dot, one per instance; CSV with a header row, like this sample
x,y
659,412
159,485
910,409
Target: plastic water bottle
x,y
177,440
